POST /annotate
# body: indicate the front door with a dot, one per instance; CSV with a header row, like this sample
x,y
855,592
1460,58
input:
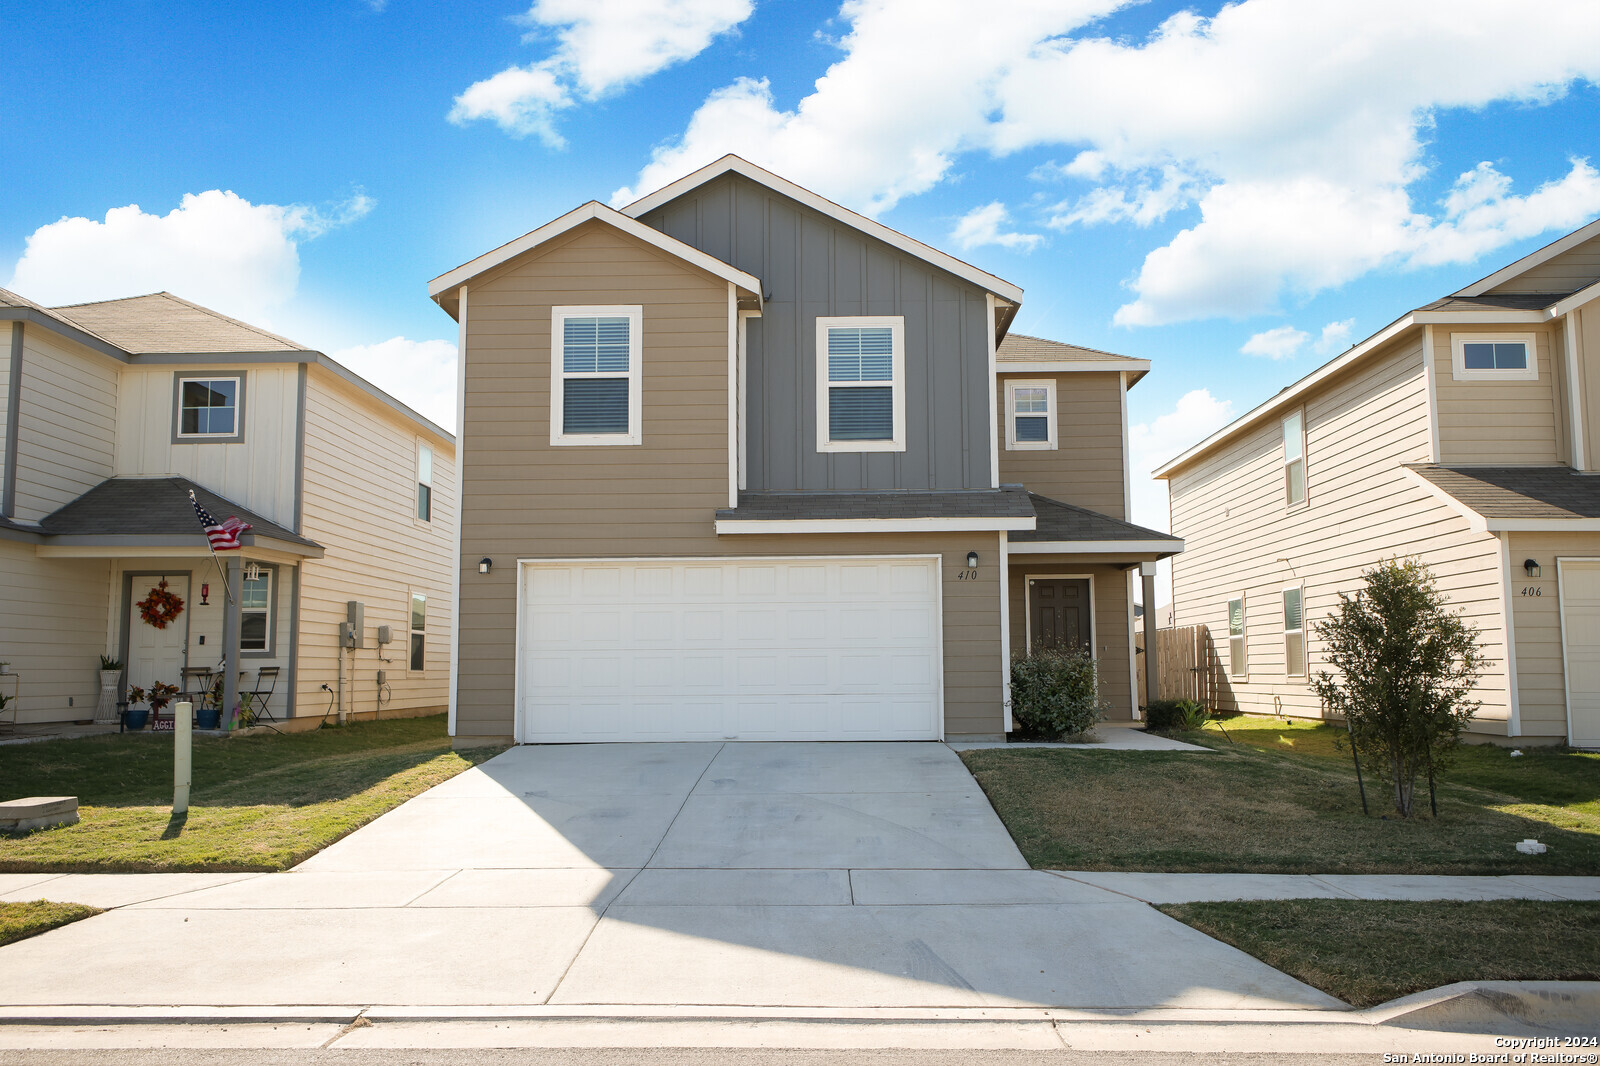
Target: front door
x,y
1058,613
157,654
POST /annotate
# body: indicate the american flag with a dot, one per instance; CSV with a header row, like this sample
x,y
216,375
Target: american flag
x,y
224,536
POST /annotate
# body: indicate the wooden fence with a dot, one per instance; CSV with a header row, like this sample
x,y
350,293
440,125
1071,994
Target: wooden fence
x,y
1187,667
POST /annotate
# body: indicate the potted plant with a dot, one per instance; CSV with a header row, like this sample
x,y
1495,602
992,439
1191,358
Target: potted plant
x,y
110,677
136,717
208,715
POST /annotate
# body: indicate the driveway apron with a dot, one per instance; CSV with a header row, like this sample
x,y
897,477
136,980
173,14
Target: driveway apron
x,y
760,875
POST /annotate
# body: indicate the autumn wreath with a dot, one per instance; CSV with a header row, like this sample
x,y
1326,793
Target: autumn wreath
x,y
161,606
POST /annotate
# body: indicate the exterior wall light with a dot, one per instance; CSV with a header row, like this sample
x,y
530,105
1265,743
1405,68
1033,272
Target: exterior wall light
x,y
1531,568
485,565
972,560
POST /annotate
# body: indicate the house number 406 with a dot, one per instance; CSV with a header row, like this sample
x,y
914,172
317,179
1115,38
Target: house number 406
x,y
1532,590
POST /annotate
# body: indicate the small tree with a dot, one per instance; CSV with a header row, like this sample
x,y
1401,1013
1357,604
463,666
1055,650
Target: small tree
x,y
1407,666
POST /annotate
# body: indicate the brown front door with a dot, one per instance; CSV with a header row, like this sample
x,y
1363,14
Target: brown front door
x,y
1058,612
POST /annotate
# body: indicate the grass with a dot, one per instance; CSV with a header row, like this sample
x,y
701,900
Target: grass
x,y
263,802
18,921
1369,951
1282,799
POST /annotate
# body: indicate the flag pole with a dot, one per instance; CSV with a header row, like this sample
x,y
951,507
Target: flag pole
x,y
226,591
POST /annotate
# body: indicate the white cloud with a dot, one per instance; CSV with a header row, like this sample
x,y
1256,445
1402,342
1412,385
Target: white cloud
x,y
1296,128
215,248
981,226
1335,337
602,46
1280,343
420,374
1196,416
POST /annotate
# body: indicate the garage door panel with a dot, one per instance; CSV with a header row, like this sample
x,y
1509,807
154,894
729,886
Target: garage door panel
x,y
781,649
1580,616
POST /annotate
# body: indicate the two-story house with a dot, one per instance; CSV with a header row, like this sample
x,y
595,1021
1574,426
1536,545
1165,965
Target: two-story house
x,y
111,413
738,462
1465,434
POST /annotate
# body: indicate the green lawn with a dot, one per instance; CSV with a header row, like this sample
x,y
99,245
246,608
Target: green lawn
x,y
18,921
1370,951
1280,798
262,802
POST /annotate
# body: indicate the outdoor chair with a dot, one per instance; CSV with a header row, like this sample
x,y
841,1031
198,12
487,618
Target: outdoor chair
x,y
261,695
196,687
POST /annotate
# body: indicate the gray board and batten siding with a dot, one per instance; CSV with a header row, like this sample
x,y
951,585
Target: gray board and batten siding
x,y
813,266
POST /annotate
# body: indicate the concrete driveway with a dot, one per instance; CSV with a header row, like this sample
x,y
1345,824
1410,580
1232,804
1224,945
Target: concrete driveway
x,y
764,875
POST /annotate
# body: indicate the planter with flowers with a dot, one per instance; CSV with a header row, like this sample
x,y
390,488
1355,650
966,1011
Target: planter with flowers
x,y
153,701
110,679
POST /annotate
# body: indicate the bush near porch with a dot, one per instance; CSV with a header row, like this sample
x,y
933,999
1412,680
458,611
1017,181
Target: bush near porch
x,y
1279,797
263,802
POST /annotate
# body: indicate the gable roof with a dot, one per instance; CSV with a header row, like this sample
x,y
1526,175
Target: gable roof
x,y
732,164
1531,260
443,288
1496,498
1020,352
163,323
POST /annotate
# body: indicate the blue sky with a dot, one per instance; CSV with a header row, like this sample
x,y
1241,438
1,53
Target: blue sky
x,y
1172,180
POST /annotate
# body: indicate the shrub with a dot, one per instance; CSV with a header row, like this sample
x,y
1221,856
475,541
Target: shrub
x,y
1174,716
1407,665
1054,694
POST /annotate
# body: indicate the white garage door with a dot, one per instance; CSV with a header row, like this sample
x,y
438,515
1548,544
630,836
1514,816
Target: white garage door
x,y
731,649
1580,629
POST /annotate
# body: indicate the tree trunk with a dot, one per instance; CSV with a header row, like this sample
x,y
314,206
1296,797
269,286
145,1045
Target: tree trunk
x,y
1404,786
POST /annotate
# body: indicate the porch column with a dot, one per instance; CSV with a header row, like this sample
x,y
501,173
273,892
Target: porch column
x,y
1147,571
230,635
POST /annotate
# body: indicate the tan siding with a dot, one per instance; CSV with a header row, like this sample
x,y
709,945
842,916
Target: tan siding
x,y
1541,677
52,632
1363,508
257,472
376,550
1496,422
66,423
1567,272
1087,468
1110,607
1586,330
523,498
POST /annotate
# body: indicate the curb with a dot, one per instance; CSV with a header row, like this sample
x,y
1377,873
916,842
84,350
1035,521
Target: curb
x,y
1468,1006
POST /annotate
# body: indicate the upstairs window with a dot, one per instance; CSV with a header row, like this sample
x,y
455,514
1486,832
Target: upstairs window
x,y
1030,415
208,408
1493,357
595,374
861,390
424,483
1236,650
1294,634
1294,459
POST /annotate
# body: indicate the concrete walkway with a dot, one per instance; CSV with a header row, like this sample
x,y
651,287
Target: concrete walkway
x,y
632,877
1192,888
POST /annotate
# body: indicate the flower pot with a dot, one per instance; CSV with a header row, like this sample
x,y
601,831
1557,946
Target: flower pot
x,y
106,709
137,717
208,718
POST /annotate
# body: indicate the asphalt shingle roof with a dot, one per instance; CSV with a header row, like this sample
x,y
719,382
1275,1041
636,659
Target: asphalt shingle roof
x,y
1496,301
1021,348
162,322
1008,501
128,506
1065,521
1518,491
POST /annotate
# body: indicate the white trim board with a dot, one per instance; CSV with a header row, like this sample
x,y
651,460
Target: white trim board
x,y
733,164
871,525
1096,547
576,217
1531,260
1126,366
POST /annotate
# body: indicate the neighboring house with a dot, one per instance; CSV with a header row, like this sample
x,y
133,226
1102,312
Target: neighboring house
x,y
111,412
678,523
1465,434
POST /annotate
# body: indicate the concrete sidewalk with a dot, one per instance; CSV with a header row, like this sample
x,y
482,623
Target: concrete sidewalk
x,y
1194,888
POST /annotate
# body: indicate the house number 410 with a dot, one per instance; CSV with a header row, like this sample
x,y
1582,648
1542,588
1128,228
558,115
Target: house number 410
x,y
1532,590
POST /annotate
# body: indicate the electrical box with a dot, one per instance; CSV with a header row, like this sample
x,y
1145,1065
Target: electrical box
x,y
385,635
355,635
383,675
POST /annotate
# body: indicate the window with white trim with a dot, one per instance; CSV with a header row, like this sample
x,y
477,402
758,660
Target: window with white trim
x,y
255,609
1294,459
419,622
1030,415
595,375
1294,633
1236,650
861,387
424,482
1493,357
208,408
